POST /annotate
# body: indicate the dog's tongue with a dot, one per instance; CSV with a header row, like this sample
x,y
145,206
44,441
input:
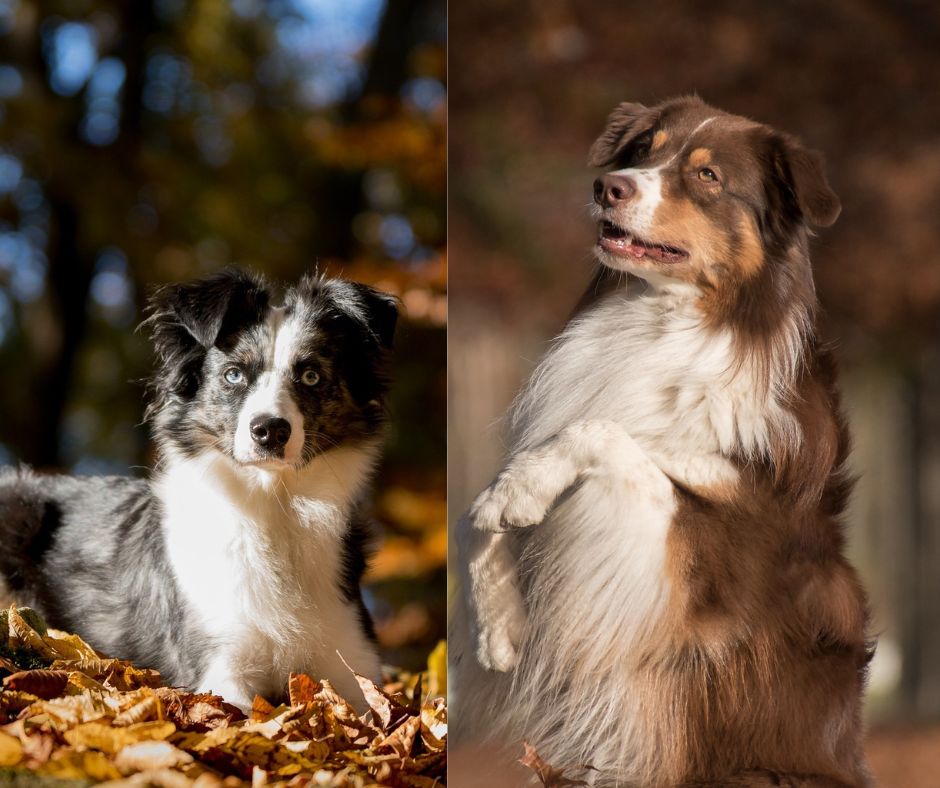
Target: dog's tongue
x,y
639,250
616,240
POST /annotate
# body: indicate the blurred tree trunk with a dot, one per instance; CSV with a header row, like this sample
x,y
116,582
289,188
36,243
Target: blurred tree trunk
x,y
399,32
387,70
71,263
68,281
921,671
895,511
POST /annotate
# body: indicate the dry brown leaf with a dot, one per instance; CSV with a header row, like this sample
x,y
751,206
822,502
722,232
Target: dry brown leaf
x,y
41,683
92,718
434,720
201,712
260,708
80,682
149,708
72,709
106,738
401,741
6,665
68,646
301,688
549,776
12,702
387,709
24,636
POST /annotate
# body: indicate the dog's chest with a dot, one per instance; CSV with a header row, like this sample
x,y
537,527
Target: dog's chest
x,y
251,566
653,368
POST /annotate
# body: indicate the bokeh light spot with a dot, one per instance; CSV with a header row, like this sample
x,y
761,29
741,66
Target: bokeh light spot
x,y
71,51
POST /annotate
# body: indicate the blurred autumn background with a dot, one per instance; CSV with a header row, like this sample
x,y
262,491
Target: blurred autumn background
x,y
859,80
156,140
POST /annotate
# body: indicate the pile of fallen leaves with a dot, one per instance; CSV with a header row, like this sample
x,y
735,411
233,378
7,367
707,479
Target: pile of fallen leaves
x,y
69,713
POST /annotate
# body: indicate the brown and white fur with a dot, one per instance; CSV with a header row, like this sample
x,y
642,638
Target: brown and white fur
x,y
654,585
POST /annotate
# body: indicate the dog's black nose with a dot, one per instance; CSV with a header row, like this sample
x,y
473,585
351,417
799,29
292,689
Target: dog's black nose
x,y
611,189
270,432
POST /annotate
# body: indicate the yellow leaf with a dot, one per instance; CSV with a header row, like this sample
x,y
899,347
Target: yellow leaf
x,y
79,682
97,736
11,751
190,740
437,670
68,646
71,765
16,701
214,738
312,750
74,709
24,635
147,709
434,720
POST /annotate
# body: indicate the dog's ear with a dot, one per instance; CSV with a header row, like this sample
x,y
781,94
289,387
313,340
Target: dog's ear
x,y
211,309
381,312
801,174
625,122
185,320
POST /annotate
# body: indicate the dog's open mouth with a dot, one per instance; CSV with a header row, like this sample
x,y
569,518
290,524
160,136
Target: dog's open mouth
x,y
619,241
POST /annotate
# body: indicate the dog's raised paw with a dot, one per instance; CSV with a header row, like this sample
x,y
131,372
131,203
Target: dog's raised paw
x,y
507,504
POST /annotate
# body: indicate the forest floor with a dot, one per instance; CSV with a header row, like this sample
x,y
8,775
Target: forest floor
x,y
71,716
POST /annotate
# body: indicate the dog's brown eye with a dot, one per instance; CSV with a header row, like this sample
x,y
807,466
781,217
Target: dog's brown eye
x,y
310,377
707,175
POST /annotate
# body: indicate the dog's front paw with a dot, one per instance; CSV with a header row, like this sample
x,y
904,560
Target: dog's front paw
x,y
506,504
500,634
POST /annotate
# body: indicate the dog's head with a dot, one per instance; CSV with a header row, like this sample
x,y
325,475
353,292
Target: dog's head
x,y
698,196
268,386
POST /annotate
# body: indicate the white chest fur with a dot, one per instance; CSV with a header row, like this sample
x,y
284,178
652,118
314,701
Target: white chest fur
x,y
258,559
647,362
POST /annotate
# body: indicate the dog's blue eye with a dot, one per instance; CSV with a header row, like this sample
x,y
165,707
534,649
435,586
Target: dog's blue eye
x,y
233,375
310,377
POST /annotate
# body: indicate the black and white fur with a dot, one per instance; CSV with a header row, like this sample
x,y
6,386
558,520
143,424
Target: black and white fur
x,y
239,561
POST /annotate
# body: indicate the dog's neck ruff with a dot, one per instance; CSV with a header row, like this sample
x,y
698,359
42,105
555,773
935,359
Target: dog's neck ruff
x,y
689,394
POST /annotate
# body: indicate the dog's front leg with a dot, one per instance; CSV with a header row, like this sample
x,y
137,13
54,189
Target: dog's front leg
x,y
490,583
524,491
520,496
